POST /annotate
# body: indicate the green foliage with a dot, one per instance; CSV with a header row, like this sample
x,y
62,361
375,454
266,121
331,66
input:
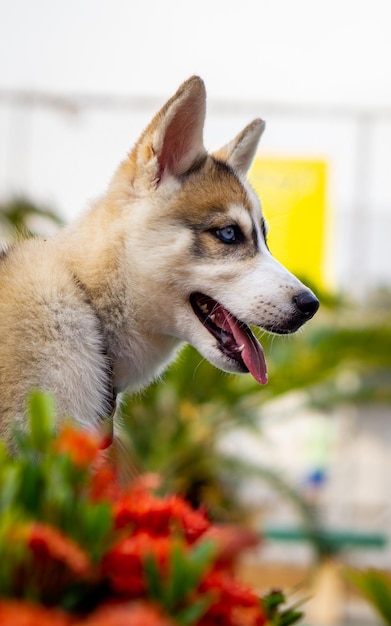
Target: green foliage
x,y
375,586
175,426
12,553
278,615
316,361
45,485
22,216
173,588
72,536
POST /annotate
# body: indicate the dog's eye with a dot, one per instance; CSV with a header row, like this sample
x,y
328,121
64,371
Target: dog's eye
x,y
229,234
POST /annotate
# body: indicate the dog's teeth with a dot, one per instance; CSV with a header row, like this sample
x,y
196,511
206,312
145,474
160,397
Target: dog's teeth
x,y
212,317
241,348
204,308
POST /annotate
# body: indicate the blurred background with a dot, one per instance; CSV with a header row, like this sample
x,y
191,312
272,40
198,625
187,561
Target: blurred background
x,y
305,461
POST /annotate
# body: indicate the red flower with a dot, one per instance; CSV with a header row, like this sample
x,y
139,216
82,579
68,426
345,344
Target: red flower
x,y
126,614
123,565
194,522
143,525
104,483
157,516
81,446
52,562
235,604
49,544
20,613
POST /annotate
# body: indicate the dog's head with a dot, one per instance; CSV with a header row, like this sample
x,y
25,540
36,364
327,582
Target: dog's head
x,y
198,239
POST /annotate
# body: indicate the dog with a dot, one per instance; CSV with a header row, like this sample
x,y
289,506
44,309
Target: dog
x,y
174,252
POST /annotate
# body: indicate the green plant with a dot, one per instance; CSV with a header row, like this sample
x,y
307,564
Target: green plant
x,y
20,215
277,612
77,546
375,586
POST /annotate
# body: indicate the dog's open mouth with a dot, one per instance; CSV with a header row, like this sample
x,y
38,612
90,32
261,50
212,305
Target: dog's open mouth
x,y
234,338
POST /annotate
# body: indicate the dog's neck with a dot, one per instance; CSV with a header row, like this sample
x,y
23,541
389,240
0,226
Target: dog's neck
x,y
138,353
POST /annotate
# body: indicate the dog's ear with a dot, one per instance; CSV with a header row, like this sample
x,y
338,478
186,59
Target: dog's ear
x,y
239,152
173,141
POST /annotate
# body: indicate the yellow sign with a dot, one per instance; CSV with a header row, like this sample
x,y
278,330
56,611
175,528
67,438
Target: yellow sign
x,y
293,196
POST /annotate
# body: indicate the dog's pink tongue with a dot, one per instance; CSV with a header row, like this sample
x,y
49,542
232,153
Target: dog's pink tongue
x,y
252,352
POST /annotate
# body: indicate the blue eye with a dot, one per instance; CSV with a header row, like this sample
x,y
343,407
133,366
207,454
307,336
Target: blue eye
x,y
229,234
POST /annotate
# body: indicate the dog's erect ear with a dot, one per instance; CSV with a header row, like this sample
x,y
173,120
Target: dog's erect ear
x,y
239,152
173,141
178,140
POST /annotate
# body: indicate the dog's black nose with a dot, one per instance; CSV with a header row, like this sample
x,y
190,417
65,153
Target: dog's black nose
x,y
307,304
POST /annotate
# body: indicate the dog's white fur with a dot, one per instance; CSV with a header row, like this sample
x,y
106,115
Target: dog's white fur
x,y
112,290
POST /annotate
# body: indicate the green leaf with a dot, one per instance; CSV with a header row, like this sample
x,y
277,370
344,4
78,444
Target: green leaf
x,y
153,579
97,524
32,488
42,414
13,553
193,613
186,569
272,604
272,601
9,486
178,580
376,587
291,616
199,560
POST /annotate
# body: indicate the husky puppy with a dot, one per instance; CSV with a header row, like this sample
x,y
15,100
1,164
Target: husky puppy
x,y
175,251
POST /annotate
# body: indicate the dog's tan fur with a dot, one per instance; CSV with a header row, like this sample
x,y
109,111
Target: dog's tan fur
x,y
105,304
